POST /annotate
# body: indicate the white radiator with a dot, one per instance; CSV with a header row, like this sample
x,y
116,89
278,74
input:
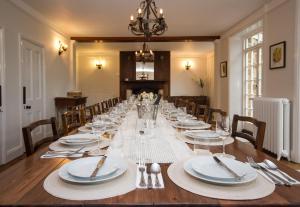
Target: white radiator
x,y
276,113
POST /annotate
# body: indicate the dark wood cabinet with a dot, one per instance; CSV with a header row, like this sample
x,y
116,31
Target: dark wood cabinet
x,y
128,74
127,65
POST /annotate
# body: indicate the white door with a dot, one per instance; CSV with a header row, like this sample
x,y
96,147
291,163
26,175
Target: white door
x,y
32,84
2,132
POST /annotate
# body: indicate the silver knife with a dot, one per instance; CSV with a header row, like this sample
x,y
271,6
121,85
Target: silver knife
x,y
99,165
238,177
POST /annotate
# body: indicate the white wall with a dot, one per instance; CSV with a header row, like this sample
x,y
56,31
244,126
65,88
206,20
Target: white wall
x,y
279,20
102,84
98,84
58,75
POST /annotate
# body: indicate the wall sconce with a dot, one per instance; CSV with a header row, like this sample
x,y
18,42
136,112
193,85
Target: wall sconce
x,y
62,48
188,65
99,64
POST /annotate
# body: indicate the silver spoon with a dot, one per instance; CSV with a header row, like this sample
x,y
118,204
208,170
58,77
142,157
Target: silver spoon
x,y
271,165
155,169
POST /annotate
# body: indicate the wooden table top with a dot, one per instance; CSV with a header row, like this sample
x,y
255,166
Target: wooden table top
x,y
22,184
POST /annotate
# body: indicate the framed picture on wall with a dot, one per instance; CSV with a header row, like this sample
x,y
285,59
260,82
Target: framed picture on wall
x,y
223,69
277,55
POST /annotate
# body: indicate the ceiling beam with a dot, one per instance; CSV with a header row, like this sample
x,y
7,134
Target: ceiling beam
x,y
153,39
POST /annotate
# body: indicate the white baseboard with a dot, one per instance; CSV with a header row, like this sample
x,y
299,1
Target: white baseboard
x,y
14,153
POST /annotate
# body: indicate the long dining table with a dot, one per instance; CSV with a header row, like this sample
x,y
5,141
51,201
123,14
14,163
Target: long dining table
x,y
22,184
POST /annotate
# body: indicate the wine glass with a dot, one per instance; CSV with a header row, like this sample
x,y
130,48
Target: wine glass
x,y
98,129
223,128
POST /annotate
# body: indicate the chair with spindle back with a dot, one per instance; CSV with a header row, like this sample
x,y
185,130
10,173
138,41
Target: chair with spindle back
x,y
97,109
191,108
86,114
110,103
30,146
71,121
104,106
211,115
202,112
260,126
115,101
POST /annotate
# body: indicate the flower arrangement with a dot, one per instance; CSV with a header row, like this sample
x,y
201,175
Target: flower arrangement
x,y
146,96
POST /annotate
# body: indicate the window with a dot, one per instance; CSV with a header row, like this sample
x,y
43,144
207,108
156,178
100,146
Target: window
x,y
252,70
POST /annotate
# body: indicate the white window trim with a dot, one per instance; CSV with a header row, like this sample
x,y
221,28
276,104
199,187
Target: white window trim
x,y
245,50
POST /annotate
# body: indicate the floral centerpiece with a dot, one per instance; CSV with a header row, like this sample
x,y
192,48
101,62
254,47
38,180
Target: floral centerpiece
x,y
148,97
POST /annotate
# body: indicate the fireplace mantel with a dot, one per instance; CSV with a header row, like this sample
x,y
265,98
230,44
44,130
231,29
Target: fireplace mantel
x,y
144,81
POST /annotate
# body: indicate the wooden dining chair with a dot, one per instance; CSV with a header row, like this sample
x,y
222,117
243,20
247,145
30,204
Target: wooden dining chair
x,y
115,101
212,113
191,108
257,140
110,103
202,112
96,109
86,114
104,106
71,121
30,146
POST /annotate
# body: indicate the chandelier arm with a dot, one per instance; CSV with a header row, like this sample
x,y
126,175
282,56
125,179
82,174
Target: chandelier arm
x,y
154,11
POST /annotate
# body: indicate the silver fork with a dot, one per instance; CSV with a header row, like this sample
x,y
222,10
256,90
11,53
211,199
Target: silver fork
x,y
257,166
66,153
142,170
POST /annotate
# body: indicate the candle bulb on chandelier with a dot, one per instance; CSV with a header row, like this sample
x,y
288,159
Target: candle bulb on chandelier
x,y
139,11
161,12
131,18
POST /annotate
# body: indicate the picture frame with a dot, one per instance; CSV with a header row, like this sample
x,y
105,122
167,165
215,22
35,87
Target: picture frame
x,y
278,55
223,69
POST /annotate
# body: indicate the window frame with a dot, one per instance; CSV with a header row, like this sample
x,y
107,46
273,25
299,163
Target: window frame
x,y
245,50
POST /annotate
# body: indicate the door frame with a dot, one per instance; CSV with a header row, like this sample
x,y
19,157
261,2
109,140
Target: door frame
x,y
2,81
24,38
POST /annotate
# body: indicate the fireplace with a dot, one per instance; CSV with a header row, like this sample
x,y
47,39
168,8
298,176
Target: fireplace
x,y
128,82
135,87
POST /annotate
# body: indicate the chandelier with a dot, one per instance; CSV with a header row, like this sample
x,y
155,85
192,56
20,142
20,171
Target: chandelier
x,y
145,54
148,21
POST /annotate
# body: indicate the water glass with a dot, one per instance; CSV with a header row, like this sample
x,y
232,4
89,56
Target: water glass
x,y
98,128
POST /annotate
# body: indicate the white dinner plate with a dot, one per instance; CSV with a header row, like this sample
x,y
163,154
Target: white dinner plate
x,y
85,129
190,122
78,139
198,127
206,169
83,168
64,175
202,134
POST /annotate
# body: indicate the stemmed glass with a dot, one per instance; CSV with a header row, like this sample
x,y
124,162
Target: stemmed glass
x,y
98,129
223,128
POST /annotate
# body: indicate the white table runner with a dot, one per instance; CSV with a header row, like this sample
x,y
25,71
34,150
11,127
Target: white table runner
x,y
162,147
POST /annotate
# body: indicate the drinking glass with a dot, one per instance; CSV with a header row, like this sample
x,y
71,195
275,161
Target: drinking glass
x,y
223,128
98,128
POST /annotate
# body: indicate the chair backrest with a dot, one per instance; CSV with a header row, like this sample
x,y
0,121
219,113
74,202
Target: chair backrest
x,y
86,114
202,112
70,121
104,105
30,146
115,101
97,109
257,141
191,108
212,113
110,103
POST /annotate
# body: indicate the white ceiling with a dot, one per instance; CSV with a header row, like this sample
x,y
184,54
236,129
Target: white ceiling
x,y
111,17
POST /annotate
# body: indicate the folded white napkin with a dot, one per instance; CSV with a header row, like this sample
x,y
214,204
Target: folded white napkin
x,y
278,174
139,175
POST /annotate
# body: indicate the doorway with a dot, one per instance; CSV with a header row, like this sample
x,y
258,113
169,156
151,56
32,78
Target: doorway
x,y
32,86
